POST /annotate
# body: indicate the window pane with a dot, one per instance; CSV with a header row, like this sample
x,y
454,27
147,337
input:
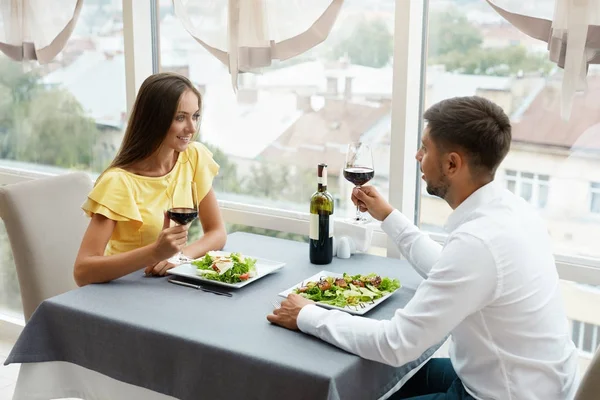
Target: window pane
x,y
542,195
575,332
269,137
68,113
527,175
65,115
588,332
512,186
473,51
10,295
595,203
526,190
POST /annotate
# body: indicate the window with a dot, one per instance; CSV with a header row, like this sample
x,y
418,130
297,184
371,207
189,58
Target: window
x,y
532,187
10,296
595,197
472,51
65,115
269,136
585,336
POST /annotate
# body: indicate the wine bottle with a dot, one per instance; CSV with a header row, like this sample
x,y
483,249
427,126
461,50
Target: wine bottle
x,y
321,221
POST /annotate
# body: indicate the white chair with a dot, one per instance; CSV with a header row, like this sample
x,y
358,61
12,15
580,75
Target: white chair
x,y
45,225
589,389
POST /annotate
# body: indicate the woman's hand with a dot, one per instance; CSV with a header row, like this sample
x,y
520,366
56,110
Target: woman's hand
x,y
170,240
159,269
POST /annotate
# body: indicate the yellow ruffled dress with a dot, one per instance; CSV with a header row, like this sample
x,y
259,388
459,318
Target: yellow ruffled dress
x,y
137,203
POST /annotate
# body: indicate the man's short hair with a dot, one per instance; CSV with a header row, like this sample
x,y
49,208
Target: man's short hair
x,y
474,125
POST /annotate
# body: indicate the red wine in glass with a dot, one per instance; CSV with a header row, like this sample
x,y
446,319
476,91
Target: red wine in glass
x,y
182,215
359,169
359,175
184,209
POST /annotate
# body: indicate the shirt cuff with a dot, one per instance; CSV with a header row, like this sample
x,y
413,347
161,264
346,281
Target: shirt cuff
x,y
310,317
395,223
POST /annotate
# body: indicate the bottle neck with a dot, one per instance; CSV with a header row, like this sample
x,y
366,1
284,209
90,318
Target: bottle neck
x,y
322,181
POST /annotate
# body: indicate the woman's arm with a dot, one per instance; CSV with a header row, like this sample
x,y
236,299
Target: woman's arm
x,y
215,235
92,266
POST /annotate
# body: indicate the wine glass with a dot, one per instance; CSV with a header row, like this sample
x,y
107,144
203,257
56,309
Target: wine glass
x,y
183,210
359,169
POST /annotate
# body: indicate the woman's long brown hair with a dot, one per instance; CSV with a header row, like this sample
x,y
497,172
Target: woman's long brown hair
x,y
151,117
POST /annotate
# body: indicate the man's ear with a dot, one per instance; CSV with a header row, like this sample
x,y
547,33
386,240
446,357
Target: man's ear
x,y
453,163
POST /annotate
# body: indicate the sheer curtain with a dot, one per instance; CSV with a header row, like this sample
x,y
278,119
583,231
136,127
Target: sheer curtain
x,y
36,29
247,35
572,33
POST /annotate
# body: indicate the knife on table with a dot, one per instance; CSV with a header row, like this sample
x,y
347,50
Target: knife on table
x,y
199,287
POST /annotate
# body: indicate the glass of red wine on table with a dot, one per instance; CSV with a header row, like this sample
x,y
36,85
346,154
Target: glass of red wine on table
x,y
183,210
359,169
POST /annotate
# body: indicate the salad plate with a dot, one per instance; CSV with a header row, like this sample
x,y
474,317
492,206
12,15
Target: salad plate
x,y
356,294
228,269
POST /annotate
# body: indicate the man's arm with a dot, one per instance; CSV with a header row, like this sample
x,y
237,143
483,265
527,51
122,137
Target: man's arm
x,y
462,282
418,248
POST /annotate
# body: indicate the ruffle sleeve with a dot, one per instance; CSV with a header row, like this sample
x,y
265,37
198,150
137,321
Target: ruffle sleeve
x,y
206,170
113,197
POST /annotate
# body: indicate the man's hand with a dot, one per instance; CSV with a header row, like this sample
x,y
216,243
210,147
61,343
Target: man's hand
x,y
368,199
287,314
159,269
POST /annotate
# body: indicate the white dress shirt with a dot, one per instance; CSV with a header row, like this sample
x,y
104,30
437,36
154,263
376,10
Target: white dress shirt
x,y
493,286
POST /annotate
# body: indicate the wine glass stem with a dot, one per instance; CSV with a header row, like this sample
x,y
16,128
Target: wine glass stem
x,y
357,207
182,258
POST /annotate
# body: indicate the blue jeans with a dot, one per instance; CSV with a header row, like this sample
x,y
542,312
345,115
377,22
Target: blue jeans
x,y
436,380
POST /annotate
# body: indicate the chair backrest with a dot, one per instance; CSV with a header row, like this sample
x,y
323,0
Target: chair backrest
x,y
589,388
45,225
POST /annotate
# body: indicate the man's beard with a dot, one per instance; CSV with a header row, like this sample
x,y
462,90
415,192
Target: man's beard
x,y
439,189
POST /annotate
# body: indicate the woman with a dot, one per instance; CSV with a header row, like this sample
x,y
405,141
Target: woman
x,y
129,229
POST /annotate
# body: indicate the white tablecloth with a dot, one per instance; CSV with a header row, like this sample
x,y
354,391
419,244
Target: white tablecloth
x,y
61,380
58,379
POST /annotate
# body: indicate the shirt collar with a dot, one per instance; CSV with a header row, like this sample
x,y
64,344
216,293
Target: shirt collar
x,y
481,196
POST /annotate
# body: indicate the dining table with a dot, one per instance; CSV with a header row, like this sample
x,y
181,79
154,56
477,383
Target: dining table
x,y
144,337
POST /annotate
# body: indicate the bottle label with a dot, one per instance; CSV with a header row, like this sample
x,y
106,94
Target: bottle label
x,y
315,220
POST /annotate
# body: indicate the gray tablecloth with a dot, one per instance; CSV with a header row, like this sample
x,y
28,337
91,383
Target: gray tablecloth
x,y
195,345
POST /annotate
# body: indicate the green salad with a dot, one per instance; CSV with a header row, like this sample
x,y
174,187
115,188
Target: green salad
x,y
349,290
225,267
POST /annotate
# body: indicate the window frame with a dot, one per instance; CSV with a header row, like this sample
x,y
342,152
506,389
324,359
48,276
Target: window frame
x,y
536,184
410,38
593,191
595,340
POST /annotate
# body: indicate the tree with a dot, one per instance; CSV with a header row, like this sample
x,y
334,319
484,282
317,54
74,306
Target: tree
x,y
266,180
506,61
456,43
227,180
451,32
61,134
370,44
41,124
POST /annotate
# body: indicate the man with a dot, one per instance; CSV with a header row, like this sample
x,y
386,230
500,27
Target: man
x,y
493,285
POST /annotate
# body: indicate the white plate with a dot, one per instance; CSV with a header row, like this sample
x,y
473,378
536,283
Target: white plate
x,y
357,310
263,267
